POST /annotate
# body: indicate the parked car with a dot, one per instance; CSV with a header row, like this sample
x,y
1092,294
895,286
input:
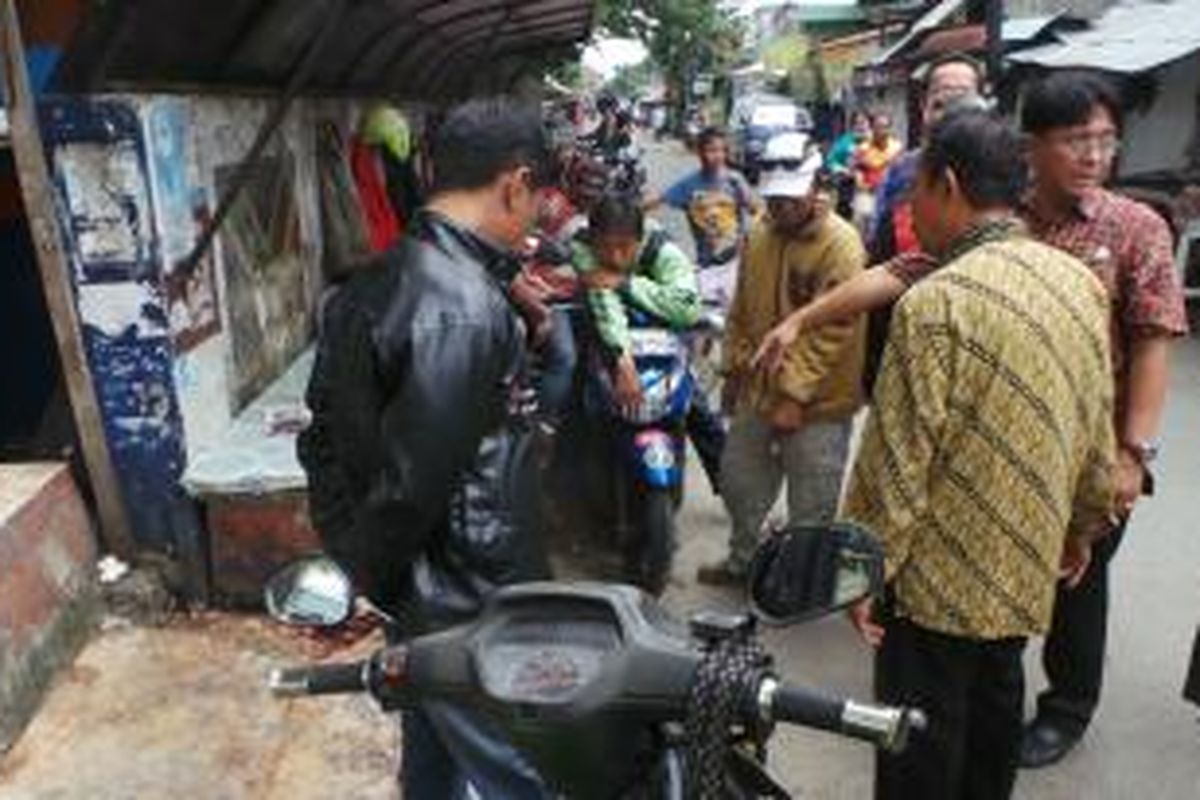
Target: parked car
x,y
755,121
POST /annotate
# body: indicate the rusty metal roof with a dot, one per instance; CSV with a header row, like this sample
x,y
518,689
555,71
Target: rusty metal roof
x,y
936,16
415,49
1132,36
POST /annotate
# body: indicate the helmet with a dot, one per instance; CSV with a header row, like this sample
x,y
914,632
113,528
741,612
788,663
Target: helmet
x,y
385,126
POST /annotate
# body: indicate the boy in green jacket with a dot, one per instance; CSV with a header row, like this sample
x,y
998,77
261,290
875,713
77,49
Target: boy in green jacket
x,y
627,264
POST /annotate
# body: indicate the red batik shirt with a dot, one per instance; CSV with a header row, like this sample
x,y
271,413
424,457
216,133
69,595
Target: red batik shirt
x,y
1128,246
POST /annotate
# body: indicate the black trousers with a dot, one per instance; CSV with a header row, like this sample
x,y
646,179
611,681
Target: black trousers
x,y
1073,655
972,692
707,432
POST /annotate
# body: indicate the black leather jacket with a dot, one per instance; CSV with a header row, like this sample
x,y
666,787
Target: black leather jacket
x,y
421,474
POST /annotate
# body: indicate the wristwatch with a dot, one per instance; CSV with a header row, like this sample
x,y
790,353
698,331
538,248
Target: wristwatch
x,y
1144,451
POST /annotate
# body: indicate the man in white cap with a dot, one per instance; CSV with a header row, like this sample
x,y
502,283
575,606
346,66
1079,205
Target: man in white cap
x,y
793,423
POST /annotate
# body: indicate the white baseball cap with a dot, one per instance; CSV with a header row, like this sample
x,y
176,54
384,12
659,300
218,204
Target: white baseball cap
x,y
790,164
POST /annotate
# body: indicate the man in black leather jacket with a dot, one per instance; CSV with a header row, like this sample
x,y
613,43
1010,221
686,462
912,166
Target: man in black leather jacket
x,y
421,475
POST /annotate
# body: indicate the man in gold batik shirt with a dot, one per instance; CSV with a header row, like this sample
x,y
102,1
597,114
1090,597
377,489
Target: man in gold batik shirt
x,y
985,465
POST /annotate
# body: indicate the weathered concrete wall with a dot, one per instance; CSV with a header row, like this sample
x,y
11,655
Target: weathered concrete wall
x,y
47,593
98,157
253,536
176,352
252,330
178,349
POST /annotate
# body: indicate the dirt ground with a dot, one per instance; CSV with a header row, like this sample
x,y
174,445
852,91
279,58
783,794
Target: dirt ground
x,y
154,712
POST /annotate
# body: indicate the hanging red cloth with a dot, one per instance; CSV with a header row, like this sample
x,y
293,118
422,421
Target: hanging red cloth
x,y
383,226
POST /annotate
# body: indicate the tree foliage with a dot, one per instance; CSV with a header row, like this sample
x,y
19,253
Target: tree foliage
x,y
684,37
566,70
796,55
632,79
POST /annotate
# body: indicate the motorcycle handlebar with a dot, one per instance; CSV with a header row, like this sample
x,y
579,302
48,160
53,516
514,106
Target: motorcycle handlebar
x,y
352,676
884,726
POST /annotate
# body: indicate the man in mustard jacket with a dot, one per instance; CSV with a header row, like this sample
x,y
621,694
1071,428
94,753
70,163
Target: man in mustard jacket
x,y
793,424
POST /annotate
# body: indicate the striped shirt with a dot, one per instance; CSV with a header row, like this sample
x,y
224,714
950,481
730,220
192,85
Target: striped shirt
x,y
991,437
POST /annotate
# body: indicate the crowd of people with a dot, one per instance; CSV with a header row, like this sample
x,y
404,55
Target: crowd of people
x,y
1009,323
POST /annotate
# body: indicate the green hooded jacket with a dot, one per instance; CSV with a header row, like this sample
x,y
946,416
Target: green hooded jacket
x,y
662,283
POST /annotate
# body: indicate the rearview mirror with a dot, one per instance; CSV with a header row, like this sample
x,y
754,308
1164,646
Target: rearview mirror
x,y
804,572
311,591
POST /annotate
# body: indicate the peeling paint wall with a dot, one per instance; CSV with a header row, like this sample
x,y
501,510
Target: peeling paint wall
x,y
217,133
97,159
138,177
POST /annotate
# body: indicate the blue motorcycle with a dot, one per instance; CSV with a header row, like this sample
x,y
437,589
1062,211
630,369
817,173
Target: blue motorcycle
x,y
647,450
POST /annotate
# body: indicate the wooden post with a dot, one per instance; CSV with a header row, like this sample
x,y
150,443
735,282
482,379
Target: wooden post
x,y
30,158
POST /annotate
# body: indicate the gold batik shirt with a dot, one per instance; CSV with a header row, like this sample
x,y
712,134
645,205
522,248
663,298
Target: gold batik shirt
x,y
990,438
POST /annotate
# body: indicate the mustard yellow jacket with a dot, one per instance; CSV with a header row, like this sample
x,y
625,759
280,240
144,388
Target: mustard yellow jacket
x,y
823,368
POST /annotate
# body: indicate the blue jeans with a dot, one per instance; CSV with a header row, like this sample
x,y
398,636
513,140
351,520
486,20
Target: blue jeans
x,y
446,747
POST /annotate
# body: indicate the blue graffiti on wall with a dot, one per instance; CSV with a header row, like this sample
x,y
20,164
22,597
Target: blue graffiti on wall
x,y
99,163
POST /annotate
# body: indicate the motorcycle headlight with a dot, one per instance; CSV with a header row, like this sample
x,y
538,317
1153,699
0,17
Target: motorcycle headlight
x,y
658,455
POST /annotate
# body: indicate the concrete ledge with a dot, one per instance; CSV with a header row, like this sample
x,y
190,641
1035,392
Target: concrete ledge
x,y
257,455
251,537
254,491
47,588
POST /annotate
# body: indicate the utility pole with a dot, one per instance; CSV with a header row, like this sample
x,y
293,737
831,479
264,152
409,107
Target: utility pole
x,y
993,25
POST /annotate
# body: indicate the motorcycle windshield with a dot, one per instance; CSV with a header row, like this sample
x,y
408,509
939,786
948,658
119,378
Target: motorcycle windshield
x,y
662,364
655,343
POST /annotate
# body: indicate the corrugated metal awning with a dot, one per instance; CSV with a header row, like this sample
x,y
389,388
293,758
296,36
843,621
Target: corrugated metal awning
x,y
1024,29
973,38
416,49
1132,36
933,18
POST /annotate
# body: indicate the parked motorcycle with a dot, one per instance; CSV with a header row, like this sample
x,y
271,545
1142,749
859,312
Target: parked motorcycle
x,y
608,695
645,450
626,173
690,130
717,285
630,173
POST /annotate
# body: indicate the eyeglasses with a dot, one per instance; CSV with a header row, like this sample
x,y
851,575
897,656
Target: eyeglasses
x,y
1081,145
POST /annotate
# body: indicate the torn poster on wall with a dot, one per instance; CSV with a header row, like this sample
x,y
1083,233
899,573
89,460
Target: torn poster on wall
x,y
265,275
108,208
100,172
182,211
120,309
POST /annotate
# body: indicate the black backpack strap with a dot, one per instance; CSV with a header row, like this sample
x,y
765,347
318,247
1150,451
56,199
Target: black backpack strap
x,y
654,245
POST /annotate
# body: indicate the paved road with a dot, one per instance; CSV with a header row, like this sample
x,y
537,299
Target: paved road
x,y
1145,742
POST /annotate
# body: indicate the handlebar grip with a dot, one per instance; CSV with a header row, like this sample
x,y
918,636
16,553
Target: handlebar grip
x,y
887,727
320,679
805,707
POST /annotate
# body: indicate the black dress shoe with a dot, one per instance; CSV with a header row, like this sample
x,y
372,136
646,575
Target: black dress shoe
x,y
1044,743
